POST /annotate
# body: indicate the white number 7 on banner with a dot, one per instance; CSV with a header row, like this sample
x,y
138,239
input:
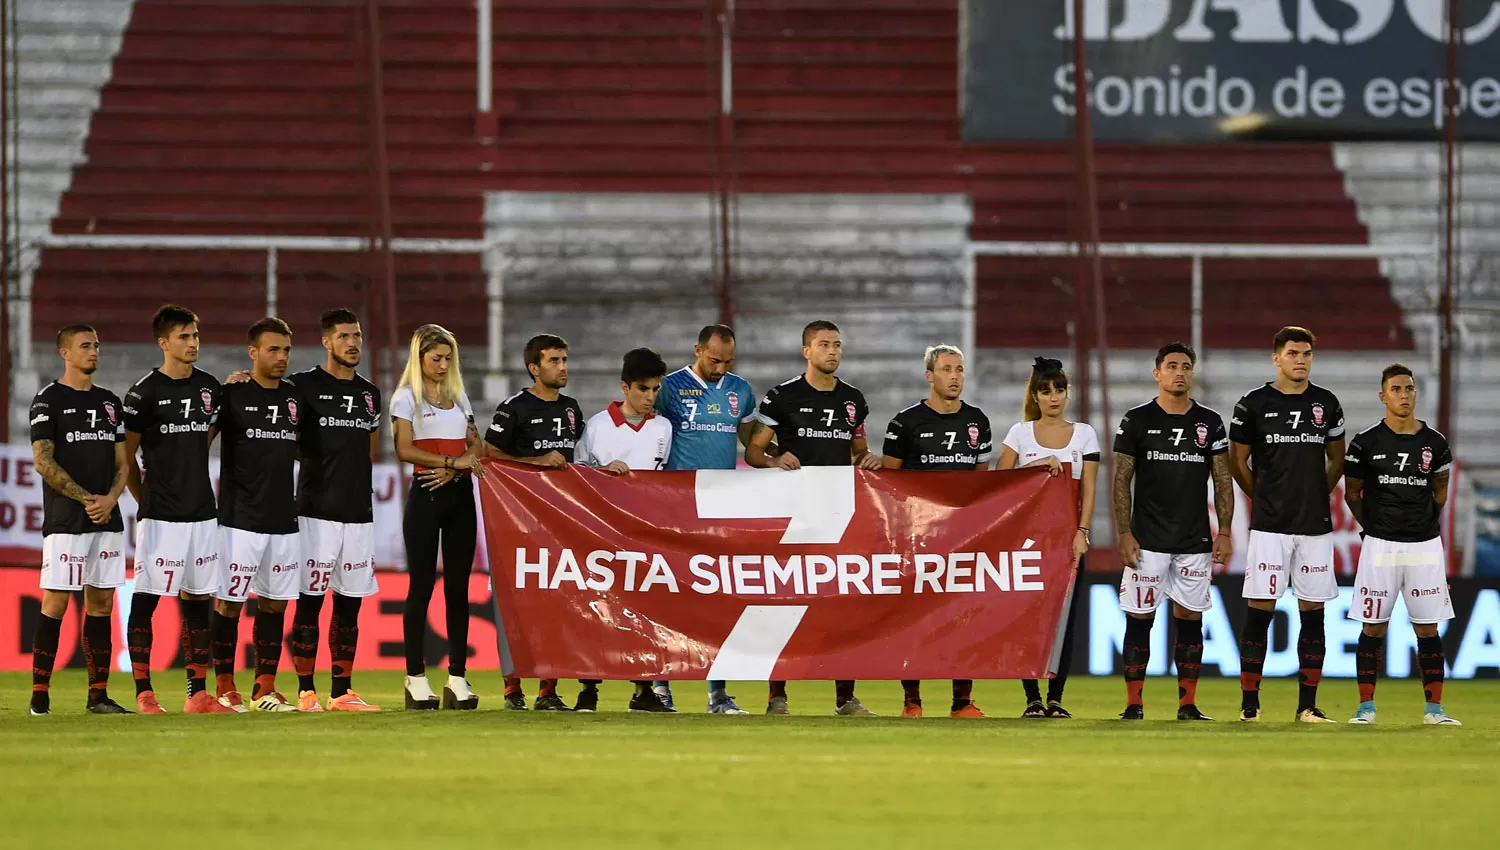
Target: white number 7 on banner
x,y
819,501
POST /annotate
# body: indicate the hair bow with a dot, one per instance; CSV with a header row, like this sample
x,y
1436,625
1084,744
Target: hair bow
x,y
1044,364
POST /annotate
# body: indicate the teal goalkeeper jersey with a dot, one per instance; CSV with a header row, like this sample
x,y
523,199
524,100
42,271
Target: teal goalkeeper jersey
x,y
705,418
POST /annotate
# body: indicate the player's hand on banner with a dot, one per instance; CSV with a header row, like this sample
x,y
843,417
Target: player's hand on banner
x,y
238,377
432,479
1054,466
618,467
1130,550
788,461
869,461
471,463
99,508
551,460
1223,548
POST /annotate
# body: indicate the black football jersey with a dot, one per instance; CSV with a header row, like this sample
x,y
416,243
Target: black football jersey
x,y
922,438
1397,470
1287,436
173,417
84,427
527,426
334,481
817,427
259,429
1173,465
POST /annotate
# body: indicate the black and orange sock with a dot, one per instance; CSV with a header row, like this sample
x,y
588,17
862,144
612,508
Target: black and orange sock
x,y
225,643
197,641
305,639
843,691
1253,640
269,630
1430,661
1367,664
911,690
1136,656
138,638
1311,647
776,690
513,686
343,641
1187,653
43,657
546,688
98,652
963,693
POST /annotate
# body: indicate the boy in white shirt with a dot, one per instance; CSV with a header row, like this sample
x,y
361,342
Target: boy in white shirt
x,y
625,436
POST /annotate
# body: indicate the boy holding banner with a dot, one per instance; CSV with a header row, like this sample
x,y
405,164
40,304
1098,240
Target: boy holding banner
x,y
629,435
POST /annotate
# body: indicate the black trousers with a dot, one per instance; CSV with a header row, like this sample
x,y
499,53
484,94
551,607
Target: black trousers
x,y
442,520
1065,659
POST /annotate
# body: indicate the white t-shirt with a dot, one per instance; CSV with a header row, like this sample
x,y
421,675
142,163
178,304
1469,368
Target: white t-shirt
x,y
434,429
1084,446
609,437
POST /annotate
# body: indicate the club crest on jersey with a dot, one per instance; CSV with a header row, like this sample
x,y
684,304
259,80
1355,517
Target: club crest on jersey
x,y
973,436
1202,435
1317,411
734,404
291,411
208,401
1426,458
370,404
572,420
850,411
109,412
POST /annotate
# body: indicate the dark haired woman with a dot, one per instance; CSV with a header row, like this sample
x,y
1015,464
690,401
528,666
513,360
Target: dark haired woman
x,y
1047,438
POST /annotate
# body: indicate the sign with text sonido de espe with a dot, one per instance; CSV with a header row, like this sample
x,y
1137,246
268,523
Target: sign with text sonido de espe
x,y
1200,70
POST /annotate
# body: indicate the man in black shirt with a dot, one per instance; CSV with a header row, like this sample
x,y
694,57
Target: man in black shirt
x,y
1287,453
540,426
335,509
941,432
1170,446
261,421
78,444
816,420
170,416
1396,484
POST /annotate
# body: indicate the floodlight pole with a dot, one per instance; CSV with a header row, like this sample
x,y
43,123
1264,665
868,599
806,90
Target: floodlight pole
x,y
1090,267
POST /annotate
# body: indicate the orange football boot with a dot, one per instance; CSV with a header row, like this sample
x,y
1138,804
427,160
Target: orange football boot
x,y
145,703
204,703
350,701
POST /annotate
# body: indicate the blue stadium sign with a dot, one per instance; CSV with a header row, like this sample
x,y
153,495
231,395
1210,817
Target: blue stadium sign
x,y
1203,70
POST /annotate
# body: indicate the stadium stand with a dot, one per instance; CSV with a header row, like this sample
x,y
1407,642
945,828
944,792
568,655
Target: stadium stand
x,y
213,122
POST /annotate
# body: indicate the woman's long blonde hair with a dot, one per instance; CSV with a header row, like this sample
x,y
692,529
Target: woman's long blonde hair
x,y
423,340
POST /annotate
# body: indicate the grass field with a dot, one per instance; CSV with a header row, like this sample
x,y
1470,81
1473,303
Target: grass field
x,y
491,778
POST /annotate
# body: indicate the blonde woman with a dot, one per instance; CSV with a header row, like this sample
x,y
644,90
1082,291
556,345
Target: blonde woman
x,y
1047,438
434,428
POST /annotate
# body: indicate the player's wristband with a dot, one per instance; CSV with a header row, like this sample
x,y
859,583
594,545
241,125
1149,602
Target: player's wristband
x,y
447,462
1085,533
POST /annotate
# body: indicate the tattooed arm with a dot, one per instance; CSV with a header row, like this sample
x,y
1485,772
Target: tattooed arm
x,y
1440,488
1130,550
1224,508
56,477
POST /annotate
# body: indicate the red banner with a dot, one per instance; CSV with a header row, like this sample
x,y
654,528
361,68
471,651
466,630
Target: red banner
x,y
822,573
